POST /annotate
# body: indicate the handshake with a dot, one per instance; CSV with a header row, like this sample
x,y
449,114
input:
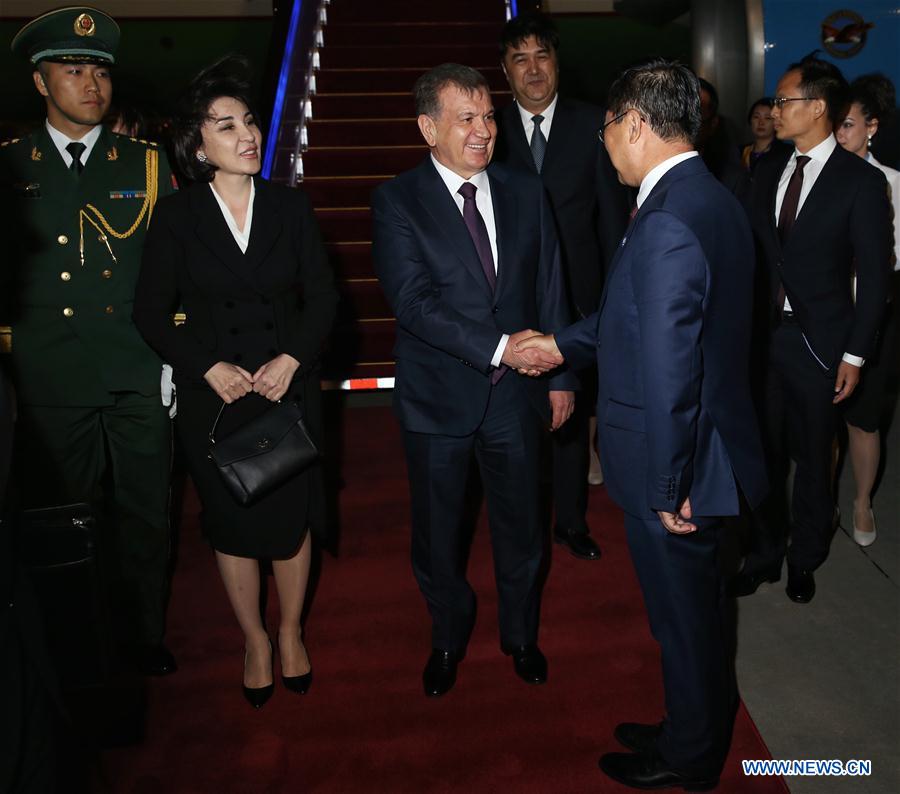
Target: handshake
x,y
531,353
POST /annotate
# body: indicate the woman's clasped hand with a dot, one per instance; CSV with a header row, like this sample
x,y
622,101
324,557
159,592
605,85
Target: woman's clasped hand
x,y
271,380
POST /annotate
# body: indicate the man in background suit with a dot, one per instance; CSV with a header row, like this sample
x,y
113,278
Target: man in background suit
x,y
819,213
678,436
466,256
556,137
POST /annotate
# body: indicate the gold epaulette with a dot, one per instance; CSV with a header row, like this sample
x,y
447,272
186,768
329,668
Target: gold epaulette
x,y
7,143
141,140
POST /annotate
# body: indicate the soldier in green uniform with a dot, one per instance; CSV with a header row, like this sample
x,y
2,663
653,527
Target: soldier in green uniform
x,y
77,200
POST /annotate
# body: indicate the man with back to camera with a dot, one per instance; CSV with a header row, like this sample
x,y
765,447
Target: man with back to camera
x,y
678,436
819,213
466,255
78,200
556,137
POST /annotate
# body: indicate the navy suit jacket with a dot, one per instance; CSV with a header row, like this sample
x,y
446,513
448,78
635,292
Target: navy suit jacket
x,y
672,339
449,324
843,226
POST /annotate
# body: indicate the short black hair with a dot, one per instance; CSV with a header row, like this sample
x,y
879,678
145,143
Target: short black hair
x,y
710,89
531,23
876,96
822,80
428,87
666,94
227,77
763,101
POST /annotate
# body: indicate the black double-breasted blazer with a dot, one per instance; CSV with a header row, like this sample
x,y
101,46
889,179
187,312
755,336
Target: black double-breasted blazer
x,y
243,308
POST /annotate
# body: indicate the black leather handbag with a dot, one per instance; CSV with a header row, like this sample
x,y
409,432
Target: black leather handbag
x,y
264,453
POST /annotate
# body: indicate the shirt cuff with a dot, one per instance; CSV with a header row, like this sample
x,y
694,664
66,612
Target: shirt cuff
x,y
856,361
498,353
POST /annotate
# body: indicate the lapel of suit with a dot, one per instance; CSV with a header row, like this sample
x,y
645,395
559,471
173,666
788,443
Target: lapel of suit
x,y
442,208
515,135
815,207
56,181
213,232
266,228
772,196
506,226
560,132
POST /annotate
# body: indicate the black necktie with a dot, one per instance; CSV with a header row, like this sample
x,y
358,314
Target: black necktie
x,y
538,143
791,199
479,234
76,149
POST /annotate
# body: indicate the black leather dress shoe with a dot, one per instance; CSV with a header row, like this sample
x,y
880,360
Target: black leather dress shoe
x,y
638,736
155,660
579,543
439,675
649,771
746,582
529,663
801,585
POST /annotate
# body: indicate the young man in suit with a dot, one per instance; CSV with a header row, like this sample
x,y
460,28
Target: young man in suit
x,y
556,137
77,203
466,255
678,435
819,214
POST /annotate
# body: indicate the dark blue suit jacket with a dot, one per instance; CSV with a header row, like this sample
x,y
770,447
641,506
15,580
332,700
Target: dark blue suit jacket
x,y
448,322
672,338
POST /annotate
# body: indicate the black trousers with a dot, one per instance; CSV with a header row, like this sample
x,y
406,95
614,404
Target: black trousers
x,y
571,459
685,603
799,425
117,458
506,447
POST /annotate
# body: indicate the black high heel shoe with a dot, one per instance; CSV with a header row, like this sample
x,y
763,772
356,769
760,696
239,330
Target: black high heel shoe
x,y
297,683
258,696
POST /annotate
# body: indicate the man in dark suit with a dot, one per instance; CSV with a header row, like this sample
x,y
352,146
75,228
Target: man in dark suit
x,y
556,137
819,213
466,255
678,436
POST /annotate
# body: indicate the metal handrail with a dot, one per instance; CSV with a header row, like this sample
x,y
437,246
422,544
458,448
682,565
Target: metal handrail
x,y
301,142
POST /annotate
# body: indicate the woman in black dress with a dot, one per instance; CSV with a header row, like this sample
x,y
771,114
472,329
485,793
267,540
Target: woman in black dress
x,y
245,260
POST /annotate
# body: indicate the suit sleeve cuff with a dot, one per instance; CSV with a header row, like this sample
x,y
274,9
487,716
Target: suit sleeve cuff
x,y
856,361
498,353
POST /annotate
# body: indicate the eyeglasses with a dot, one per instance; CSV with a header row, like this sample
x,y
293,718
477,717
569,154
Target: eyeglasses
x,y
780,101
602,130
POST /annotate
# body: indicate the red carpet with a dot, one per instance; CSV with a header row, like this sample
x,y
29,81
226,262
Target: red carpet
x,y
365,725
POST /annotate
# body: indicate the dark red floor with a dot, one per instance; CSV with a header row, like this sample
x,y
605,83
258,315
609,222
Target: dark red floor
x,y
365,725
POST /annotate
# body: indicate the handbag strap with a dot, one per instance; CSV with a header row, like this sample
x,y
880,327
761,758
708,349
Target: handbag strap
x,y
212,432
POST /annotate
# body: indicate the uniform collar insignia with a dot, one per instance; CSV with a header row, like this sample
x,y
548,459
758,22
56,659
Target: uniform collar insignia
x,y
112,154
35,154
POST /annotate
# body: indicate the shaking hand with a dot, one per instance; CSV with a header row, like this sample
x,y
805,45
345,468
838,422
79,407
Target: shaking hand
x,y
537,352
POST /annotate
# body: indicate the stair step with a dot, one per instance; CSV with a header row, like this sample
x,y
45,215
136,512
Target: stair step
x,y
345,224
416,11
424,56
362,132
390,79
412,33
330,191
364,300
356,343
361,160
351,260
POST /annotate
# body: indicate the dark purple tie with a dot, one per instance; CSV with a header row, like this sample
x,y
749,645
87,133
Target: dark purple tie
x,y
791,200
479,234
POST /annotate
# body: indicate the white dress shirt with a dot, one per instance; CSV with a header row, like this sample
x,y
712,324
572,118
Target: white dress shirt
x,y
485,206
528,124
818,155
658,172
62,141
241,236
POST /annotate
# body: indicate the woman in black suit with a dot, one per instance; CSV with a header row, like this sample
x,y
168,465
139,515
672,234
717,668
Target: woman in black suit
x,y
245,260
